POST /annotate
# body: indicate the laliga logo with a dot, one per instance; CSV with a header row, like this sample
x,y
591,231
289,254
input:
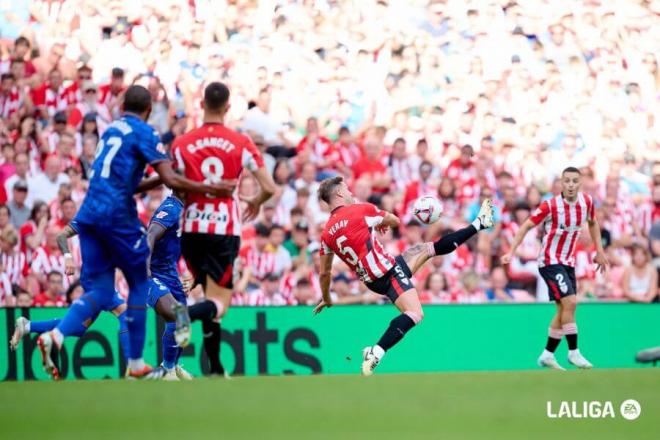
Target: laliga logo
x,y
630,410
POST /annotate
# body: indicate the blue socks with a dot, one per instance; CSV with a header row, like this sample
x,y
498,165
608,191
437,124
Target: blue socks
x,y
171,351
123,335
136,317
84,309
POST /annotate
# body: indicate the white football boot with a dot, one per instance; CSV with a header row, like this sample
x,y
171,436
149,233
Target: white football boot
x,y
576,358
182,374
486,214
182,332
20,330
370,361
45,343
548,360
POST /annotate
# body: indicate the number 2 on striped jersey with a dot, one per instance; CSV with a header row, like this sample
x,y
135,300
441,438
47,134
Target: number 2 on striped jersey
x,y
351,255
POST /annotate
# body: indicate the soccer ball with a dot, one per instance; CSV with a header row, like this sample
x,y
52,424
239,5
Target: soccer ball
x,y
427,210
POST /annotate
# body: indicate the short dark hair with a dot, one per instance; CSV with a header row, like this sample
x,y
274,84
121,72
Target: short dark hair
x,y
117,72
137,99
571,170
274,227
262,230
216,96
22,40
53,273
328,186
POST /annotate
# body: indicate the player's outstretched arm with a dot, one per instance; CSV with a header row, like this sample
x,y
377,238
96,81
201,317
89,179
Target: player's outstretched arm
x,y
389,221
62,243
524,229
324,279
148,184
223,188
268,188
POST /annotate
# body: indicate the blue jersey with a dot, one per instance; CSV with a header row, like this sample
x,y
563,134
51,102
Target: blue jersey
x,y
126,147
167,249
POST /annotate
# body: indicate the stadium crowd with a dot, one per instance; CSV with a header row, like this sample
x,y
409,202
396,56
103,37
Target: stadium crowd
x,y
456,99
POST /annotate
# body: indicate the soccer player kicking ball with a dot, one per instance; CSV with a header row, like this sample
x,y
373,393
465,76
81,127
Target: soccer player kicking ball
x,y
351,234
562,218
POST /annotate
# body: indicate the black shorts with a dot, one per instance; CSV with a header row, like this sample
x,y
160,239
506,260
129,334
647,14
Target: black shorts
x,y
560,280
212,255
395,282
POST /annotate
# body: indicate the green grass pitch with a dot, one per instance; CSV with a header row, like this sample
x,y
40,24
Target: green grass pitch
x,y
455,406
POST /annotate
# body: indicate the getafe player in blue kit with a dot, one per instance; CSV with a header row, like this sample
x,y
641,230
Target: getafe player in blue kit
x,y
111,235
117,307
166,295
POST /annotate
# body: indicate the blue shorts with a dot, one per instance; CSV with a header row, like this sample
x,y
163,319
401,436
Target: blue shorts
x,y
106,248
158,289
107,305
117,300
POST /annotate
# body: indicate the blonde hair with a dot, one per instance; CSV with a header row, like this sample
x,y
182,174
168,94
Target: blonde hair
x,y
9,235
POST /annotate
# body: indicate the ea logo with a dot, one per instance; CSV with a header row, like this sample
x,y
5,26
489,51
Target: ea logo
x,y
630,409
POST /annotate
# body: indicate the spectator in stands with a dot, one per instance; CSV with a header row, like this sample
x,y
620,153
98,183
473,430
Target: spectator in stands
x,y
436,289
640,281
46,184
33,231
22,165
20,210
304,293
53,295
5,218
13,261
269,294
23,299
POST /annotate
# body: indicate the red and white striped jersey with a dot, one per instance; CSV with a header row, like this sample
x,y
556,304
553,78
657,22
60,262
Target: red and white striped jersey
x,y
5,288
261,262
106,96
10,102
15,266
349,233
402,172
562,224
46,260
260,298
53,101
209,154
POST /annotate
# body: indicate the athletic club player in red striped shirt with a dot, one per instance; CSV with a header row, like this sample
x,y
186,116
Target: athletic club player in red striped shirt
x,y
562,218
212,225
350,233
